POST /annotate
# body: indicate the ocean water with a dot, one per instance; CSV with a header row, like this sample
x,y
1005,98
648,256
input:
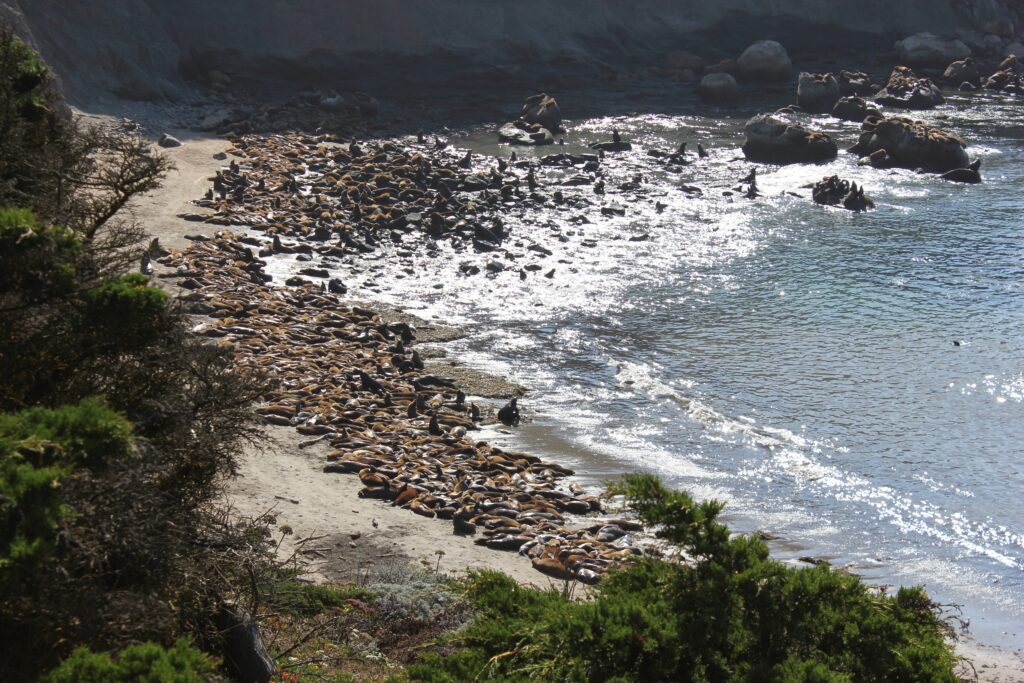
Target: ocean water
x,y
851,383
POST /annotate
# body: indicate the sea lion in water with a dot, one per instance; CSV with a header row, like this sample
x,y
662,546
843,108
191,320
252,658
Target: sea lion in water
x,y
968,175
509,414
701,152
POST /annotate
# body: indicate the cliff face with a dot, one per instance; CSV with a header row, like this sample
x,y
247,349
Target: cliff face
x,y
147,48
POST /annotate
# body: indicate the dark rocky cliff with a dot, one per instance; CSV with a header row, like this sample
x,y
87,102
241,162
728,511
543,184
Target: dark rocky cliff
x,y
150,49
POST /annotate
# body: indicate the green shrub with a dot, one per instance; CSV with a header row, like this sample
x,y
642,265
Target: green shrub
x,y
126,312
29,71
39,261
39,447
733,615
88,434
30,510
146,663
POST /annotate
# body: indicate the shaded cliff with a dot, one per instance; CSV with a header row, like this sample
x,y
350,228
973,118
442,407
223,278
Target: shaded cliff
x,y
150,49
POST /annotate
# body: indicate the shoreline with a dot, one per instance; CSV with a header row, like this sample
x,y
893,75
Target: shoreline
x,y
298,480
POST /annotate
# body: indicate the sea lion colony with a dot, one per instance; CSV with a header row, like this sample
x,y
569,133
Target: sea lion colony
x,y
343,375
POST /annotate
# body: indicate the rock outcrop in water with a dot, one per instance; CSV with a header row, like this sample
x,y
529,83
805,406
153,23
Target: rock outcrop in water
x,y
772,139
912,144
817,93
905,90
854,109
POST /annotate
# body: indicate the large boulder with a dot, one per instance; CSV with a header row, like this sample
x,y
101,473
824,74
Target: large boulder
x,y
854,109
905,90
912,144
772,139
718,87
962,71
765,60
543,111
929,50
817,93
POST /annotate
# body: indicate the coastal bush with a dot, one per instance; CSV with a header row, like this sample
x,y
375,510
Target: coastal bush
x,y
118,426
145,663
728,614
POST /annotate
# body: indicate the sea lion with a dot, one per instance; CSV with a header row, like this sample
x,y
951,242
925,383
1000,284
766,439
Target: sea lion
x,y
970,175
509,414
701,152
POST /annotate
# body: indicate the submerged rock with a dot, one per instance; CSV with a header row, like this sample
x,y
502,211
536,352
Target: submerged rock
x,y
772,139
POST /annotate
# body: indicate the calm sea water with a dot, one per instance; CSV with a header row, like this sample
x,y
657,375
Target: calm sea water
x,y
795,361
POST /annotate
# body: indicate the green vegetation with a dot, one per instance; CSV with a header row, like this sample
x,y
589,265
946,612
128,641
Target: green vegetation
x,y
146,663
117,426
730,615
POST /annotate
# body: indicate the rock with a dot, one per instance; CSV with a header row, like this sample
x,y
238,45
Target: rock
x,y
543,111
218,79
718,87
817,93
521,133
855,83
215,119
771,139
169,141
854,109
912,144
245,654
765,60
962,71
929,50
679,60
1007,76
878,159
905,90
993,45
967,86
726,66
